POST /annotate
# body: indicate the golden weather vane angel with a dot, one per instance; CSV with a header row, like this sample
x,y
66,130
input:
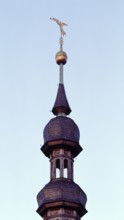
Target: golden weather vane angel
x,y
61,24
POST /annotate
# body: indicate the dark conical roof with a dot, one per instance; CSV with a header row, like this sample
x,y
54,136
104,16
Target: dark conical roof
x,y
61,104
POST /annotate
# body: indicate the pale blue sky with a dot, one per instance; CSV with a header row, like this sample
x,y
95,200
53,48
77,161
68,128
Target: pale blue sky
x,y
94,82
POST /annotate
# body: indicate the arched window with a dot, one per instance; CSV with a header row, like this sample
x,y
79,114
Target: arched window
x,y
51,169
57,168
72,170
65,168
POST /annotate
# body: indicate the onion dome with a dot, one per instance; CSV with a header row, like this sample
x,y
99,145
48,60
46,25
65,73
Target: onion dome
x,y
62,131
61,103
61,128
62,192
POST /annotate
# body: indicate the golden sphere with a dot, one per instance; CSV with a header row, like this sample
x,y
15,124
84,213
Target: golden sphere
x,y
61,57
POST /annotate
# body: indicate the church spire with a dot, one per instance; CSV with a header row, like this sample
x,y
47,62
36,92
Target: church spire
x,y
61,105
61,198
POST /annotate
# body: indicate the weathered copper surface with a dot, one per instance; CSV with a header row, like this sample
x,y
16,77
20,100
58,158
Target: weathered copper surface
x,y
61,104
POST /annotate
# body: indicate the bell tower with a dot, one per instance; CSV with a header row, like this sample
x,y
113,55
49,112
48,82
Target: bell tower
x,y
61,198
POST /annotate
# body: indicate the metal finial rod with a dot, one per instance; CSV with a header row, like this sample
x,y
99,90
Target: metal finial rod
x,y
61,41
61,73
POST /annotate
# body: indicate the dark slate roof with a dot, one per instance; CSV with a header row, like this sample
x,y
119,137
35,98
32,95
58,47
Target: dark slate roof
x,y
61,104
61,128
61,131
61,190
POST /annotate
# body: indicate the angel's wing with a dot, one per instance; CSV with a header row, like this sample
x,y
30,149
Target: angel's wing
x,y
58,22
63,24
54,19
